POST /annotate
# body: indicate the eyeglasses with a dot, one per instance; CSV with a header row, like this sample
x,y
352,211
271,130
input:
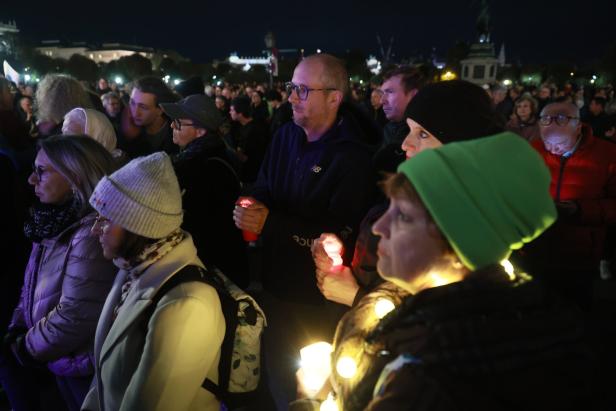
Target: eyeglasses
x,y
178,125
560,119
302,90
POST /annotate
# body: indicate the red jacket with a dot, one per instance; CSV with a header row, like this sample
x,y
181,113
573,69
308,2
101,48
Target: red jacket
x,y
588,177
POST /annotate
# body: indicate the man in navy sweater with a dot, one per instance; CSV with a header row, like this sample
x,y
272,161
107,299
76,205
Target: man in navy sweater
x,y
316,177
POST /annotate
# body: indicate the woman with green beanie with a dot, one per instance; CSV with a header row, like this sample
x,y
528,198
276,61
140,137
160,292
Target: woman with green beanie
x,y
474,334
440,113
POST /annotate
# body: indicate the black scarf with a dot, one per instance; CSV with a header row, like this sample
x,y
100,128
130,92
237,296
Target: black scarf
x,y
47,220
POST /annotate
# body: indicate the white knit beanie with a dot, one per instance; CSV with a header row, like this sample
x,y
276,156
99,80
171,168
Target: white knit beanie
x,y
142,197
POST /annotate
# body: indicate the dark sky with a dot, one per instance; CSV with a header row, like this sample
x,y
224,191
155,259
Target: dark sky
x,y
532,30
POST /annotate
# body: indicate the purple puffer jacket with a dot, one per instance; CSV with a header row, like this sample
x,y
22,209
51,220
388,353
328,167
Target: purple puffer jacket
x,y
66,283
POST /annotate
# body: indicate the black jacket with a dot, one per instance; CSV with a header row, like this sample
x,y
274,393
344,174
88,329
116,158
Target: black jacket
x,y
310,188
210,188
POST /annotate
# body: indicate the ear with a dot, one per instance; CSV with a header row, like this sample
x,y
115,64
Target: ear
x,y
335,98
413,92
201,132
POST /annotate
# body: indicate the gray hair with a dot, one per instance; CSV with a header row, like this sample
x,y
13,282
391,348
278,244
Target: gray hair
x,y
57,94
82,161
108,96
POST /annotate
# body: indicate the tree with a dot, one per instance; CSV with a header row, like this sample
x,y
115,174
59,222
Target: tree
x,y
134,66
82,68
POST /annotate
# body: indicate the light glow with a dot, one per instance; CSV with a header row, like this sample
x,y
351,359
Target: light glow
x,y
507,82
329,404
382,307
333,248
315,366
508,267
346,367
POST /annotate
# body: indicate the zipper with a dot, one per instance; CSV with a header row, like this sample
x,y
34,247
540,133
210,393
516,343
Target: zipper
x,y
563,161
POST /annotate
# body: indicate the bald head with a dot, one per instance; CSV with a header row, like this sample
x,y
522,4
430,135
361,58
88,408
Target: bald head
x,y
332,72
563,107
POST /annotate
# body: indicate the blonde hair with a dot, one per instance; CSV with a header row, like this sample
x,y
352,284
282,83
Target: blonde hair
x,y
81,161
57,94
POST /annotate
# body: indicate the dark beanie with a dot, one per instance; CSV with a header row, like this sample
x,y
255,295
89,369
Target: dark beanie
x,y
454,111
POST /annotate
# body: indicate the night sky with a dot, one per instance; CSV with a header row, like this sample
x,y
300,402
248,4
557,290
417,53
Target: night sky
x,y
533,31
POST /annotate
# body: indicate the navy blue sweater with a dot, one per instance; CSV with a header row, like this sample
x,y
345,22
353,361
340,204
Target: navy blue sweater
x,y
310,188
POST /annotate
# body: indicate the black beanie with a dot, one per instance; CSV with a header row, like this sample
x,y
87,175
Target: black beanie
x,y
453,111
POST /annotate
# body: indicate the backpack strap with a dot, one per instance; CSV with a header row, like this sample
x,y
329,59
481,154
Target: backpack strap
x,y
229,309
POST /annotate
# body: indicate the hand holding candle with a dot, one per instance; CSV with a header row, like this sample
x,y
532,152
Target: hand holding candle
x,y
327,252
250,215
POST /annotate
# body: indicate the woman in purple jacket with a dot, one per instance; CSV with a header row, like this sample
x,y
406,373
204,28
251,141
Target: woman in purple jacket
x,y
66,281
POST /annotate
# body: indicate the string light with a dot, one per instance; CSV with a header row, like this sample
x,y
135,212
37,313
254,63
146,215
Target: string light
x,y
346,367
382,307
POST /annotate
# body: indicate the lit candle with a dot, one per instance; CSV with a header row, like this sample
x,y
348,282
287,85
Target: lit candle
x,y
316,366
333,248
246,202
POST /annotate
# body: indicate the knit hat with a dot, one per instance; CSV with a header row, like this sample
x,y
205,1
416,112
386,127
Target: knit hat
x,y
453,111
488,196
142,197
199,108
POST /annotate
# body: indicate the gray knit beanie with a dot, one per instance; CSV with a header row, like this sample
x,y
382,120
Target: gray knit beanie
x,y
142,197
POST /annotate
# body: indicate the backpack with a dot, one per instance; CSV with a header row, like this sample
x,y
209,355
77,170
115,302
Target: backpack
x,y
239,368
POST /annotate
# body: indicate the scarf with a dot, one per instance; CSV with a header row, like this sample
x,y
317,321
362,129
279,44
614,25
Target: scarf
x,y
47,220
137,265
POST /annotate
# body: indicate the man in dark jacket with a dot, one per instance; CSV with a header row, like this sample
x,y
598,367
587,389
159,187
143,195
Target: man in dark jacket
x,y
252,138
316,177
399,86
210,185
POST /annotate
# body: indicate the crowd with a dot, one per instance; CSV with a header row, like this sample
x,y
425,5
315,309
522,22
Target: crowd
x,y
146,229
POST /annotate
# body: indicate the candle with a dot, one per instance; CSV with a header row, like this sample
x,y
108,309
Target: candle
x,y
333,248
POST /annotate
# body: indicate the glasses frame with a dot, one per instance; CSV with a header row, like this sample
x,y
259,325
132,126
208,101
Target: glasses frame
x,y
40,172
290,87
178,124
559,119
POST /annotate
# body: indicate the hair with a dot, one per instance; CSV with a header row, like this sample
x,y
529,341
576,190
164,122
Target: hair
x,y
81,160
398,186
600,101
273,95
154,85
534,105
334,73
108,96
5,88
241,105
411,77
133,245
57,94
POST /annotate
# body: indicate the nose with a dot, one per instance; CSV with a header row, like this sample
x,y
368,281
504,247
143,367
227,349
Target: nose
x,y
33,179
380,227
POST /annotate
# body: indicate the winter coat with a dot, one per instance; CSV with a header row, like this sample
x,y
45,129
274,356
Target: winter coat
x,y
310,188
485,343
529,131
588,178
158,362
66,282
210,189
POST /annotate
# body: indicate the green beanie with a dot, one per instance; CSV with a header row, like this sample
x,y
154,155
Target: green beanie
x,y
488,196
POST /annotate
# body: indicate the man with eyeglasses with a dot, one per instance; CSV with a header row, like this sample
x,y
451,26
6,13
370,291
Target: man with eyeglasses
x,y
210,184
583,187
316,177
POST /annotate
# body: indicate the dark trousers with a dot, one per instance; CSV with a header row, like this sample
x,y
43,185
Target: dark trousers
x,y
37,389
291,326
